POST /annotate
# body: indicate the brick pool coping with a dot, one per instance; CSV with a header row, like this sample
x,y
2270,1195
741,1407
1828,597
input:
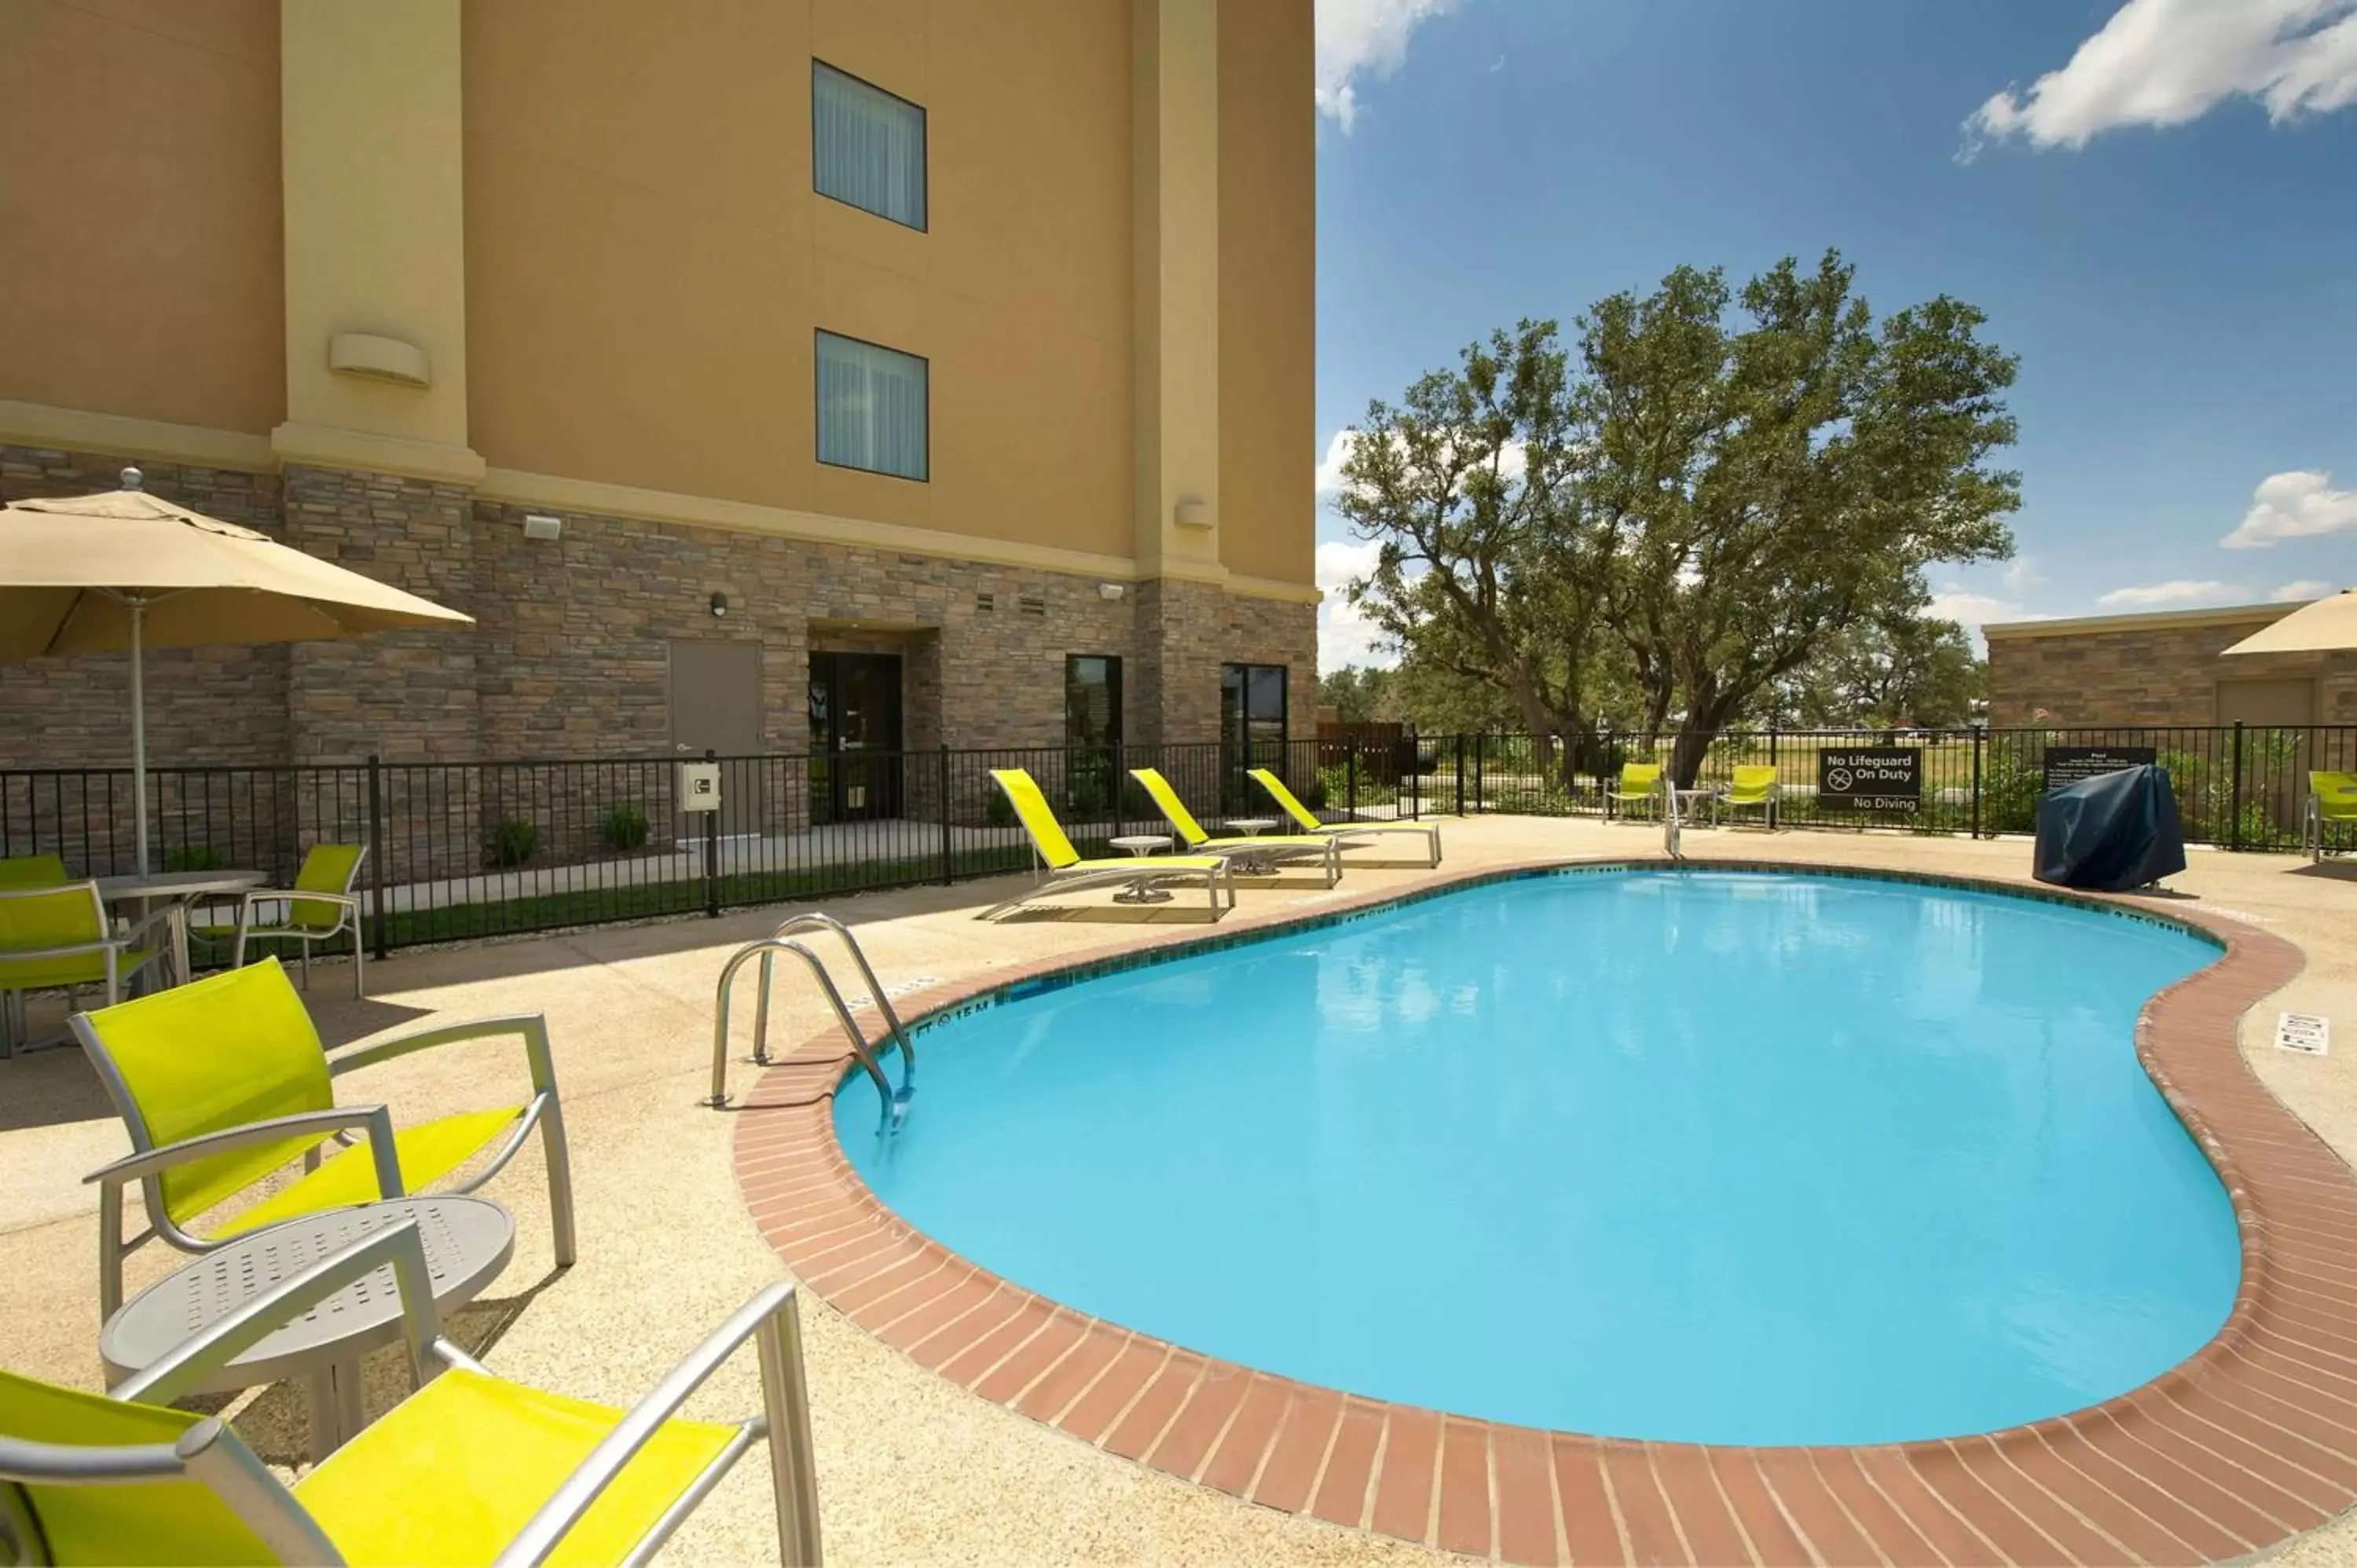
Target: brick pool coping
x,y
2250,1441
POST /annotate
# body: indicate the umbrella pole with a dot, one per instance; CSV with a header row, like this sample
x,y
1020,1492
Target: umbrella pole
x,y
138,736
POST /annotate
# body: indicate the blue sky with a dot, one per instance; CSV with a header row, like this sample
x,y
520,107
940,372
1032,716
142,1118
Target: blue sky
x,y
2155,201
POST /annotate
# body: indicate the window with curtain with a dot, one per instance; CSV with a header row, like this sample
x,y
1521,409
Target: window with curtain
x,y
871,407
867,147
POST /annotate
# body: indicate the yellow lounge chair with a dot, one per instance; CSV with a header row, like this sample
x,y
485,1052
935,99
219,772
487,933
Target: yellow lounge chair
x,y
57,935
468,1468
1266,849
1639,782
2331,797
221,1083
1752,788
1347,834
319,908
1069,872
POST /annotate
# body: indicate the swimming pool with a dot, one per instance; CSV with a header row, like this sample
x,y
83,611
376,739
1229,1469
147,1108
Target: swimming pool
x,y
1740,1157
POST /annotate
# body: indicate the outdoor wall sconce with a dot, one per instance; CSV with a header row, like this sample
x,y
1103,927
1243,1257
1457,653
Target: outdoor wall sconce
x,y
536,526
1192,514
719,605
378,359
1109,590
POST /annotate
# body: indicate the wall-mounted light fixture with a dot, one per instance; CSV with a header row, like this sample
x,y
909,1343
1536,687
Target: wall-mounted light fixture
x,y
538,526
719,605
1110,590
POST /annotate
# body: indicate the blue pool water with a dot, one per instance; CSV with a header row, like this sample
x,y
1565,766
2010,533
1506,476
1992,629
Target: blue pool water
x,y
1741,1157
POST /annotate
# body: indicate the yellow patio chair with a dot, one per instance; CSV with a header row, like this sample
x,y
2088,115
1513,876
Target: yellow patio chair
x,y
1347,835
1268,847
319,908
1639,782
32,871
1069,872
2331,797
1751,789
222,1082
58,937
470,1468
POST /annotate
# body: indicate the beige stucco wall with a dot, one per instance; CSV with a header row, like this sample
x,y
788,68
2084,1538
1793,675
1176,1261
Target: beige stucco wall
x,y
647,262
595,217
1268,271
139,209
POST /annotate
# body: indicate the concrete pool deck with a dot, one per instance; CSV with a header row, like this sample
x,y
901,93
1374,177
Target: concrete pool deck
x,y
913,1467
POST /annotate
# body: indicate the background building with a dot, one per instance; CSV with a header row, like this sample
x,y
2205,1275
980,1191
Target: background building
x,y
896,375
2157,670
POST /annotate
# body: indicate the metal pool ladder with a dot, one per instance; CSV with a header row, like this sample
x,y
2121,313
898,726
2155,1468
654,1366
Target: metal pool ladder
x,y
895,1100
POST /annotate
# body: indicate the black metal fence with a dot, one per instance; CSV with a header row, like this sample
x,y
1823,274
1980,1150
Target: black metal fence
x,y
2239,787
470,849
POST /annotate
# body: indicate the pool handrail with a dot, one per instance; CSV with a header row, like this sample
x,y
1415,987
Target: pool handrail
x,y
895,1102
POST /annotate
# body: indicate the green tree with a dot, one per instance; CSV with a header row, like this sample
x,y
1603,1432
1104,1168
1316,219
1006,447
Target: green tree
x,y
1358,693
1483,576
1887,674
1771,482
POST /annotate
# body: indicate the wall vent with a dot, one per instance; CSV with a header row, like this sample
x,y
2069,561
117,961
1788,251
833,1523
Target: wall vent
x,y
1032,605
985,602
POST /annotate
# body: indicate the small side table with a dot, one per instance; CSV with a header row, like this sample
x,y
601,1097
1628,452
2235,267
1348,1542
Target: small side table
x,y
1689,800
182,888
1252,827
1142,891
468,1241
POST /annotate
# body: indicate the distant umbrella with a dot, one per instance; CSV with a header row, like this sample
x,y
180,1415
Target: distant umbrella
x,y
2327,626
125,571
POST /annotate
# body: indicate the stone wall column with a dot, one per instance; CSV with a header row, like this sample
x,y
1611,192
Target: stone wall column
x,y
407,696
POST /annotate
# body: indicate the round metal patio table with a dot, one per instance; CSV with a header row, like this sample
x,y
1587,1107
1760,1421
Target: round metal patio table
x,y
1142,891
468,1241
183,888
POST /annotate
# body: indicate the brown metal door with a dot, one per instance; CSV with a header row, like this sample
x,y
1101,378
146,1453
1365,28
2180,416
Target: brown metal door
x,y
715,705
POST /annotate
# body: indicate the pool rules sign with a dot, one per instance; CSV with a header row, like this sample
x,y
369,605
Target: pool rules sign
x,y
1882,779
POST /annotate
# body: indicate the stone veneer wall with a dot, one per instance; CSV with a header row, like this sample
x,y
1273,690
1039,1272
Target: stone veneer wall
x,y
570,654
2147,675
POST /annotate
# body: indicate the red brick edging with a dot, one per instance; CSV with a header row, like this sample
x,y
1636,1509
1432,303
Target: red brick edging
x,y
2250,1441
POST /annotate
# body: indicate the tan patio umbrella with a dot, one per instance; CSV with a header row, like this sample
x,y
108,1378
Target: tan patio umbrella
x,y
2325,626
126,570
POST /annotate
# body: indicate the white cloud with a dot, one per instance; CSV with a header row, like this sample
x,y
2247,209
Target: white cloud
x,y
2297,505
1329,466
2165,62
2022,572
1360,40
2179,591
1345,636
2298,593
1511,461
1953,601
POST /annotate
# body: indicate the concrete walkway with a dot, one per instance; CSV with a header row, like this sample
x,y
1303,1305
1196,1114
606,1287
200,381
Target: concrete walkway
x,y
911,1468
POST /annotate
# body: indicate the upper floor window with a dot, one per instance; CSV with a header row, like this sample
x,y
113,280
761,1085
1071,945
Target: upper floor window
x,y
867,147
871,407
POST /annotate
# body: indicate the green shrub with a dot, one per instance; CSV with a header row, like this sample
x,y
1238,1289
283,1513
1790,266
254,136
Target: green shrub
x,y
626,826
1136,805
514,841
998,811
194,857
1086,795
1313,794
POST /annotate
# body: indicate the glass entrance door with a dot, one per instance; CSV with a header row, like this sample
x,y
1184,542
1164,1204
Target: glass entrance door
x,y
855,716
